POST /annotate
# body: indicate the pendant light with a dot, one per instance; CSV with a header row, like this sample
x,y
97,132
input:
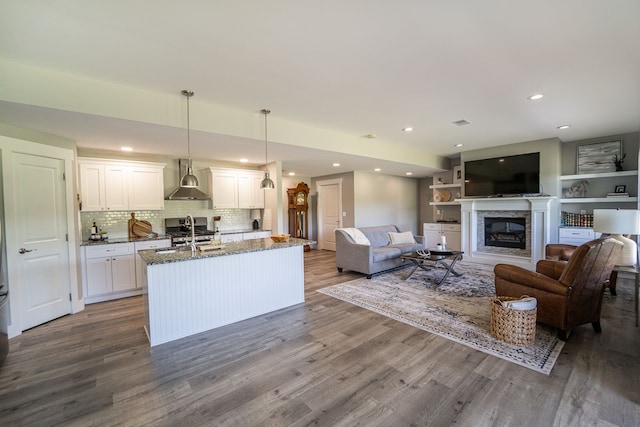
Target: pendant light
x,y
266,182
189,180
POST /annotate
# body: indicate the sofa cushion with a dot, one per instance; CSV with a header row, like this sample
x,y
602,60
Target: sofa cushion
x,y
398,238
385,252
407,247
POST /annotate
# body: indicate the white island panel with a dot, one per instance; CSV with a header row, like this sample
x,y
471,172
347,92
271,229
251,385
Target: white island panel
x,y
192,296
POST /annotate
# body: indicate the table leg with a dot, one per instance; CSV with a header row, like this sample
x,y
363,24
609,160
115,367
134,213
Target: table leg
x,y
413,270
450,270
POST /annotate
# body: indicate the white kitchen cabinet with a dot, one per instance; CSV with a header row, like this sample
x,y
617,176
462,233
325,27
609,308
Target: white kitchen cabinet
x,y
231,237
147,244
109,272
146,188
256,235
116,187
250,195
236,188
120,185
451,232
224,188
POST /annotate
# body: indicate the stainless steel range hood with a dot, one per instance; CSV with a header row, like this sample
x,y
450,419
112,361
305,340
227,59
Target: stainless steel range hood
x,y
186,193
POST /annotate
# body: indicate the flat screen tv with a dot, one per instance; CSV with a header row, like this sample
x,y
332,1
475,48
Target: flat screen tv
x,y
502,176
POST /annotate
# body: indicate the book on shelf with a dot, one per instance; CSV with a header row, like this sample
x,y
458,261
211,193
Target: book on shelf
x,y
618,195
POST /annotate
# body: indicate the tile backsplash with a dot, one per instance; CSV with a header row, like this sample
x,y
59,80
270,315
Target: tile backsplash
x,y
115,222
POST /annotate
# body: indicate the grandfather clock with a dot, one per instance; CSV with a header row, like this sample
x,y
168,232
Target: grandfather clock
x,y
298,211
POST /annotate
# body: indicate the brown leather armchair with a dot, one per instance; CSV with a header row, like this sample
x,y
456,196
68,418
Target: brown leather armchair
x,y
568,293
563,251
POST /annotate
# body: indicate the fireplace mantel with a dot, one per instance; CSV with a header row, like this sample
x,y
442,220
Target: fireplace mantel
x,y
539,209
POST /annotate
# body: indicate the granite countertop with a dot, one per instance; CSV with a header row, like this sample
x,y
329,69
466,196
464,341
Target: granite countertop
x,y
123,240
243,230
183,253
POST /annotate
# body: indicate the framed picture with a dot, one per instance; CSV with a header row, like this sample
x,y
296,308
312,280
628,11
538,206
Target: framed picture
x,y
457,174
621,189
598,157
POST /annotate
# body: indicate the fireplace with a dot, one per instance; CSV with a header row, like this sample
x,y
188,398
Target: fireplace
x,y
505,232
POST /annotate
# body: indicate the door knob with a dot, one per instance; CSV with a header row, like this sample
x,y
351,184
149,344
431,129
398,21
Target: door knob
x,y
24,251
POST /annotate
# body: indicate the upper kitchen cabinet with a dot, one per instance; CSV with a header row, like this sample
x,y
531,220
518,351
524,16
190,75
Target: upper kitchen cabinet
x,y
120,185
250,195
236,188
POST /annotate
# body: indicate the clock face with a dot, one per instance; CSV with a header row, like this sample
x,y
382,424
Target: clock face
x,y
300,198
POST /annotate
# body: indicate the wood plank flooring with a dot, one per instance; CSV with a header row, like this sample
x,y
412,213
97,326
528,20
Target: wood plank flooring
x,y
324,362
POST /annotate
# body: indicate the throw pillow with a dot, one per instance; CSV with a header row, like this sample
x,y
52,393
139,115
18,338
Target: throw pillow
x,y
397,238
358,236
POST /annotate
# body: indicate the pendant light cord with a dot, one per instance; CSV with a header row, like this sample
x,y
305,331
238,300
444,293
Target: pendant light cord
x,y
188,94
266,158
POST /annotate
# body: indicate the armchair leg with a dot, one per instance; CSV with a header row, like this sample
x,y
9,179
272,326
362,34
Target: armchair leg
x,y
596,326
339,269
613,278
563,335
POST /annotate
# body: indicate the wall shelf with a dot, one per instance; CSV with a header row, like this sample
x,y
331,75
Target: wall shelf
x,y
600,200
599,175
445,186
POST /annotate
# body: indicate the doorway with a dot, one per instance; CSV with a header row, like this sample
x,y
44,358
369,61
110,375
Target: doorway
x,y
329,212
41,254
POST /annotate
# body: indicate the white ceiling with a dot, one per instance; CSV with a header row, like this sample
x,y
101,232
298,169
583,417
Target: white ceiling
x,y
355,67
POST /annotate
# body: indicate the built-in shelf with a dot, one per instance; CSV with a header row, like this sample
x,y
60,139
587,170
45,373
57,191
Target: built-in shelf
x,y
443,203
599,175
446,186
600,200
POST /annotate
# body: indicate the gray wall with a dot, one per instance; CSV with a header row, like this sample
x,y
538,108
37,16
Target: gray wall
x,y
383,199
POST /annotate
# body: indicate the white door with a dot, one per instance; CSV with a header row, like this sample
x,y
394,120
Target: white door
x,y
39,198
329,212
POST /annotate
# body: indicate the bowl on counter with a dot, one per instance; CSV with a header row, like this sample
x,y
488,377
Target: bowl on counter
x,y
280,237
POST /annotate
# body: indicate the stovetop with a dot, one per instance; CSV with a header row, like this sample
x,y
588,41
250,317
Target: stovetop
x,y
178,227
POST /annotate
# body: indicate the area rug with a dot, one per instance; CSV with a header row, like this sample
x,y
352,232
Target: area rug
x,y
458,310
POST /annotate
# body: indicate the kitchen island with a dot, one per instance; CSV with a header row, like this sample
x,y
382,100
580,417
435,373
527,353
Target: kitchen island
x,y
185,293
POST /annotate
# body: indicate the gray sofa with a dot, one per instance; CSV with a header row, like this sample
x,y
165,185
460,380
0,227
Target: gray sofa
x,y
380,255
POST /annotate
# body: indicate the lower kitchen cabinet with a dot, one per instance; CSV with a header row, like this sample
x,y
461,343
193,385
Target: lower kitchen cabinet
x,y
147,244
109,272
256,235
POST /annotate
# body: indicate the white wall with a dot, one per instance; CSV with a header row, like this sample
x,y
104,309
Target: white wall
x,y
383,199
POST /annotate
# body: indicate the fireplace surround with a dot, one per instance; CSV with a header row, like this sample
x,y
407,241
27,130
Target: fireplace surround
x,y
536,213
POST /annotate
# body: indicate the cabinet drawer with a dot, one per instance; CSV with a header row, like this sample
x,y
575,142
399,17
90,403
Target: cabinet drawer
x,y
152,244
432,227
577,233
451,227
101,251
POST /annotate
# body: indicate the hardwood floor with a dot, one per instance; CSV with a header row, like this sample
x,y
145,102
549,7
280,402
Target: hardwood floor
x,y
324,362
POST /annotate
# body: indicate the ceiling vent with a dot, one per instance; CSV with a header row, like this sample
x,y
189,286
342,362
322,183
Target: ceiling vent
x,y
461,122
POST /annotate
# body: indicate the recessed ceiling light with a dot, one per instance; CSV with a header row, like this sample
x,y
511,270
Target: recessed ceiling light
x,y
126,148
377,169
408,129
458,145
371,136
409,173
563,127
335,165
244,160
292,173
535,97
461,122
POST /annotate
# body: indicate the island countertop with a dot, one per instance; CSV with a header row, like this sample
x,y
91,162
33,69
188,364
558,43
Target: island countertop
x,y
184,253
185,294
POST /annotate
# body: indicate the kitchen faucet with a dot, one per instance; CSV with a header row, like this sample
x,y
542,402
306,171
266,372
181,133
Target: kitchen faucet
x,y
189,222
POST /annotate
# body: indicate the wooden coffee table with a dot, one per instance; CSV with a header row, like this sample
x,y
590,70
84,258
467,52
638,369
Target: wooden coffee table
x,y
447,259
